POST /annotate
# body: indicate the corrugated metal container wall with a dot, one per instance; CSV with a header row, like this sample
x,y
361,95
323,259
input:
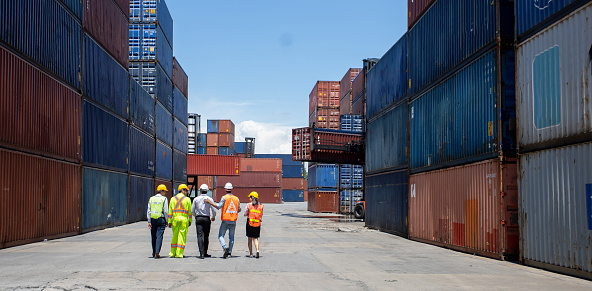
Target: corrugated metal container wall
x,y
556,208
202,139
212,126
124,5
75,6
293,195
142,110
456,38
359,85
180,106
226,126
37,112
152,77
351,123
212,150
253,179
266,195
292,171
168,184
387,202
164,124
387,140
140,191
323,201
416,8
286,159
180,78
226,151
180,166
212,140
460,121
472,208
345,104
530,14
239,147
554,80
208,180
105,80
324,94
206,165
165,21
164,161
105,138
180,138
325,118
387,80
323,176
351,176
164,88
226,140
105,22
294,183
164,55
346,81
50,207
142,151
261,165
104,198
146,43
201,150
152,11
54,39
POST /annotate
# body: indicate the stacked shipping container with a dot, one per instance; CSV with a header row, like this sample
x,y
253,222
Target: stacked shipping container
x,y
261,175
345,86
324,105
220,138
323,180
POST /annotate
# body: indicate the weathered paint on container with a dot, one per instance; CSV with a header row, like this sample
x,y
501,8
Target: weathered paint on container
x,y
104,198
324,94
48,208
386,196
554,76
286,159
359,105
212,140
75,6
351,176
164,161
37,112
304,149
325,118
152,77
105,23
168,184
179,166
415,9
164,125
140,191
105,80
180,78
146,43
226,126
556,209
323,201
266,195
207,165
253,179
467,117
53,40
345,104
142,152
387,140
105,138
531,16
345,88
323,176
294,183
292,195
261,165
124,6
359,85
142,110
292,171
471,208
387,80
202,140
180,106
180,138
212,150
212,126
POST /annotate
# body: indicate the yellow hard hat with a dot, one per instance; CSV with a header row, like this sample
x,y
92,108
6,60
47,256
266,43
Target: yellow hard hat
x,y
183,186
254,194
161,187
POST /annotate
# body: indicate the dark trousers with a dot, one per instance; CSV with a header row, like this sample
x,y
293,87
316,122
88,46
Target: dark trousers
x,y
202,225
157,232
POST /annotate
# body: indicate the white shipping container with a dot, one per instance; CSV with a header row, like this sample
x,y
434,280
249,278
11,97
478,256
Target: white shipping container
x,y
554,82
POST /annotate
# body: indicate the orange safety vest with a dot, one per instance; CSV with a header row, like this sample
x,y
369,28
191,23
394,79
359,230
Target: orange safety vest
x,y
230,208
255,214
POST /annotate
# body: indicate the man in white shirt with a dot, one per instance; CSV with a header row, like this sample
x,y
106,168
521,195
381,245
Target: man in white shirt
x,y
203,212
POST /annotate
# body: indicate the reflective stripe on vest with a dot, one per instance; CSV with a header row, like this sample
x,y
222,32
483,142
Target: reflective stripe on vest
x,y
230,208
156,206
255,214
179,207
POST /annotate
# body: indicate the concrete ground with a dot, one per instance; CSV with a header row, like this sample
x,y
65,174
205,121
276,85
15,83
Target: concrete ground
x,y
298,252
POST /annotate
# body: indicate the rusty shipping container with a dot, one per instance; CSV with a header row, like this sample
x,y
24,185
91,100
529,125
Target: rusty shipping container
x,y
124,5
304,149
209,165
208,180
415,9
261,165
345,86
180,78
212,140
471,208
266,195
226,140
359,85
305,195
38,114
253,179
323,201
212,151
324,117
324,94
294,184
226,126
168,184
109,26
48,208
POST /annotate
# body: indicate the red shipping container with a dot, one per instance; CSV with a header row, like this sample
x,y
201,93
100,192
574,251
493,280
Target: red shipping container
x,y
324,94
211,150
416,8
345,104
180,78
124,5
294,183
212,165
261,165
323,201
346,81
169,186
208,180
104,22
47,207
359,85
471,208
212,140
359,105
266,195
226,126
38,114
328,146
226,140
305,195
253,179
326,118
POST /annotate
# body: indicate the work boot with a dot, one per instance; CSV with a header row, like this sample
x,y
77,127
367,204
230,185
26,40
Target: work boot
x,y
207,256
201,256
157,255
257,255
226,253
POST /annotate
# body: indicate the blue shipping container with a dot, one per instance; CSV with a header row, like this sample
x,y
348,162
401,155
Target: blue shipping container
x,y
351,122
75,7
105,138
153,11
387,80
147,43
164,124
348,199
225,151
202,140
142,110
180,105
140,191
387,140
286,159
180,166
212,126
239,147
142,152
104,198
45,32
292,171
164,161
531,13
180,138
293,195
323,176
152,77
458,121
387,202
201,150
351,176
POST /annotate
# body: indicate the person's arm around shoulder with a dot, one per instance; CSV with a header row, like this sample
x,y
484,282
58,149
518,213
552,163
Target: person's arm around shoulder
x,y
212,209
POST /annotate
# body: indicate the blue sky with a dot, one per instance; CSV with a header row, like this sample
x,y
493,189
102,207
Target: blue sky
x,y
255,62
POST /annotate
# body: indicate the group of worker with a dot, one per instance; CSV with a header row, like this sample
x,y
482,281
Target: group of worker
x,y
179,212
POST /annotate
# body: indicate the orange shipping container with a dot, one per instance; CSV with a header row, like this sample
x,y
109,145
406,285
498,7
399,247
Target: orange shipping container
x,y
208,180
323,201
211,150
261,165
305,195
266,195
212,165
294,184
226,140
324,94
471,208
212,140
226,126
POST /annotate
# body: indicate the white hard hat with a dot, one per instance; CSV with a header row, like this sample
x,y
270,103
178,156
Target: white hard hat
x,y
228,186
204,187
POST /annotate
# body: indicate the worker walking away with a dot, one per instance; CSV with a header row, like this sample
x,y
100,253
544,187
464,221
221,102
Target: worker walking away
x,y
254,211
180,220
203,212
157,214
230,206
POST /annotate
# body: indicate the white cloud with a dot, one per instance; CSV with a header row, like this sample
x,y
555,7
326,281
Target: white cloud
x,y
269,138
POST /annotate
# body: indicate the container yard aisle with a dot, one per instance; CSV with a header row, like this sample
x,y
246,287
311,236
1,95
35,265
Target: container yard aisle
x,y
300,251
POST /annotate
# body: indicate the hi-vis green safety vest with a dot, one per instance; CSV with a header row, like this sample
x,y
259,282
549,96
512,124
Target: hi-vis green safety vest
x,y
156,206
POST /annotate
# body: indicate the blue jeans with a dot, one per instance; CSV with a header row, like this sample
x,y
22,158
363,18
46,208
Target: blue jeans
x,y
157,232
231,227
